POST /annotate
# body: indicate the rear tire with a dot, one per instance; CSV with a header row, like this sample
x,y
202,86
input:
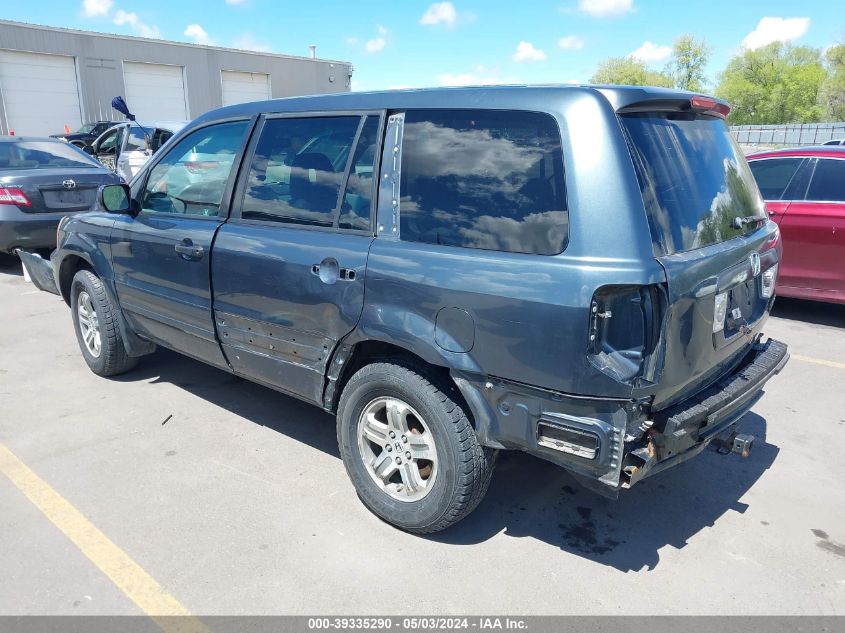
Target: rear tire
x,y
95,324
410,449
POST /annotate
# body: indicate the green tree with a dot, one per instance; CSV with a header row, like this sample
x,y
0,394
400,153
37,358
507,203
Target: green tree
x,y
629,72
686,67
832,92
778,83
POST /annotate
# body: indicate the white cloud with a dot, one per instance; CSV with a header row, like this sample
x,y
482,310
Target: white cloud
x,y
377,43
247,42
198,34
235,3
93,8
776,30
605,8
131,18
352,41
440,13
651,52
571,42
525,52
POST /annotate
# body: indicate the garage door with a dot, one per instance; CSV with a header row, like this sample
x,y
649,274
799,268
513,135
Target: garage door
x,y
155,91
240,87
39,93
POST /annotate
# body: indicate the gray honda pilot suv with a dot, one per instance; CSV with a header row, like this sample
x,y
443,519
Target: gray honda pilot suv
x,y
581,273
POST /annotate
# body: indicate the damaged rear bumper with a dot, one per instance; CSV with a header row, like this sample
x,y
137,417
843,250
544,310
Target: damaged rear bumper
x,y
610,444
685,429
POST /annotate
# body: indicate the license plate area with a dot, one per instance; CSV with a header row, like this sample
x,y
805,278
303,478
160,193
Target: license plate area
x,y
745,305
68,198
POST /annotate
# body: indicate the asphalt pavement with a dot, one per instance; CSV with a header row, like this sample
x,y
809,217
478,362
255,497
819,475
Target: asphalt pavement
x,y
232,499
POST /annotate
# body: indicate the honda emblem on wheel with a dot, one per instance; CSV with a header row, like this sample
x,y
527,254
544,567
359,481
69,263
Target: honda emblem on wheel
x,y
69,184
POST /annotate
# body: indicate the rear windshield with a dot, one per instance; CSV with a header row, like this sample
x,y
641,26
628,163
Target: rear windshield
x,y
696,185
43,155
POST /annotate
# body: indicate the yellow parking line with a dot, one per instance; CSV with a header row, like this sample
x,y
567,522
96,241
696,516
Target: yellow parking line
x,y
129,576
818,361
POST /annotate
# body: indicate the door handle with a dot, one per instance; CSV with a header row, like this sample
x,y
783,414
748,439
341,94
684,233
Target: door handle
x,y
188,251
330,272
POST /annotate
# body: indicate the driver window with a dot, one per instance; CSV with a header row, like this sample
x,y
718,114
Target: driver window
x,y
109,142
192,176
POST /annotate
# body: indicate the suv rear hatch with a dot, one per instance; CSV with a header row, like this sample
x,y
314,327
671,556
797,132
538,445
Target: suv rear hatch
x,y
711,235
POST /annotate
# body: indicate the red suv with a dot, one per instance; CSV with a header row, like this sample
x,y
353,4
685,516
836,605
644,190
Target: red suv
x,y
804,190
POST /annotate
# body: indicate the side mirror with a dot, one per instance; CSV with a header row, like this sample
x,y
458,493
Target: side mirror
x,y
88,149
115,199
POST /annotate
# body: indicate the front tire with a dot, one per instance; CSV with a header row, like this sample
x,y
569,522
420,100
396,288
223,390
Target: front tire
x,y
95,324
410,449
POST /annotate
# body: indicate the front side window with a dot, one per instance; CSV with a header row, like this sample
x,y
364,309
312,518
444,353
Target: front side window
x,y
828,182
137,138
773,175
108,144
191,178
483,179
296,173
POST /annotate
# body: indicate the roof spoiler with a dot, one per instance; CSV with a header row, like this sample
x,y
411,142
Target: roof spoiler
x,y
693,103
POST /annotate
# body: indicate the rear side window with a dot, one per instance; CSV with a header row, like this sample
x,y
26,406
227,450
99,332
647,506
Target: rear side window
x,y
297,170
828,183
773,175
488,179
358,197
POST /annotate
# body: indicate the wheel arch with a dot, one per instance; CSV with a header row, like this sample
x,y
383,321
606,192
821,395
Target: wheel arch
x,y
353,353
69,266
75,259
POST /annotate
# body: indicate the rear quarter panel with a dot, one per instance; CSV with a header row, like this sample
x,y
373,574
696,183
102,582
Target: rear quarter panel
x,y
529,312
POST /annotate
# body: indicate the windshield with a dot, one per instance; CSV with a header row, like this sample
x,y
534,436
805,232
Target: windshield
x,y
696,185
87,128
43,155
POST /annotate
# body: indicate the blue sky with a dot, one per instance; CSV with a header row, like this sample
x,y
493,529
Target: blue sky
x,y
408,43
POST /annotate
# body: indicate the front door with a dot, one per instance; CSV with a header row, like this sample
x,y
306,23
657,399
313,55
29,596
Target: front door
x,y
289,267
161,257
106,149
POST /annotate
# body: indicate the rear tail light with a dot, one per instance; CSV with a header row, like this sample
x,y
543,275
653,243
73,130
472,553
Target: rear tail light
x,y
768,280
625,329
720,311
13,195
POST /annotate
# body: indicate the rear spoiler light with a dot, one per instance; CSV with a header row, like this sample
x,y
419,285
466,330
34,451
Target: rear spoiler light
x,y
709,105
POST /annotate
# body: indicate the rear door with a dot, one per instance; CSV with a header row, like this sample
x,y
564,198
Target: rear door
x,y
814,234
289,268
161,257
711,234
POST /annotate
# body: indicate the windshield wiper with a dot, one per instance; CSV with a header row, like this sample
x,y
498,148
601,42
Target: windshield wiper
x,y
740,222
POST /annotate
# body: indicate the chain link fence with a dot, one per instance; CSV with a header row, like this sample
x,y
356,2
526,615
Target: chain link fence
x,y
760,137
